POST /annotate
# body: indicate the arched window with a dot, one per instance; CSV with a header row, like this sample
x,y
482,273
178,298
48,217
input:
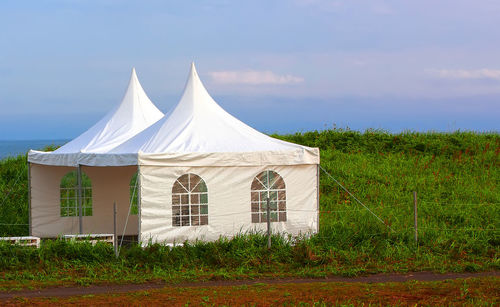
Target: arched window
x,y
268,184
189,201
133,192
69,195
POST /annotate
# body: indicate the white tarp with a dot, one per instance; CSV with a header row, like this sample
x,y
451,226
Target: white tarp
x,y
198,124
135,113
229,202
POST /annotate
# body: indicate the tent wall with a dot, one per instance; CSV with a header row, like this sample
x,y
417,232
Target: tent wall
x,y
229,202
109,184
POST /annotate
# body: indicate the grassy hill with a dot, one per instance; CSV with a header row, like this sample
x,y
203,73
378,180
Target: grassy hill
x,y
456,176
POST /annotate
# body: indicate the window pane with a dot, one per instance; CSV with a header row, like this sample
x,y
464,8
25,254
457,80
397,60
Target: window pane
x,y
176,210
203,198
273,196
274,206
204,220
262,177
255,207
201,187
195,220
177,188
263,196
282,206
176,199
255,218
195,198
272,178
274,217
185,221
278,184
254,196
203,209
185,210
282,216
195,209
185,199
184,181
281,195
87,212
263,217
263,206
176,221
256,185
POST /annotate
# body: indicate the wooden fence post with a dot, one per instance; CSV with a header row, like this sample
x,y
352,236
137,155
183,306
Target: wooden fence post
x,y
415,215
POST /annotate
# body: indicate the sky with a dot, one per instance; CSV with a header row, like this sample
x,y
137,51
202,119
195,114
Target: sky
x,y
280,66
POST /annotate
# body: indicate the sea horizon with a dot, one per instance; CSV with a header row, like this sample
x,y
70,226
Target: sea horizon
x,y
14,148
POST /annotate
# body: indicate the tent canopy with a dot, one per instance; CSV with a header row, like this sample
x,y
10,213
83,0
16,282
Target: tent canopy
x,y
135,113
198,124
197,132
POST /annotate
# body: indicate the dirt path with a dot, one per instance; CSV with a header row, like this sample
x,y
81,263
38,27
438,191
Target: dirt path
x,y
107,289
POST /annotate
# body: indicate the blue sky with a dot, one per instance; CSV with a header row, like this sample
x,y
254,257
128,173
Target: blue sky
x,y
280,66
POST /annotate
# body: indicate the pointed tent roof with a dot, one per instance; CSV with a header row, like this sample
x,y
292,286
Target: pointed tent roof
x,y
198,124
135,113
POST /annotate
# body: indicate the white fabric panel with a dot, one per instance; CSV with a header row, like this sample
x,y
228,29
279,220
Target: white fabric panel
x,y
229,206
108,185
52,158
135,113
199,125
298,156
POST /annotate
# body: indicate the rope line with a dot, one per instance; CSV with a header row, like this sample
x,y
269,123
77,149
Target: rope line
x,y
128,214
354,196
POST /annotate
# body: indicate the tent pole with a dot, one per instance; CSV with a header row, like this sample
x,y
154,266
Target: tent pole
x,y
268,211
317,197
139,219
79,196
29,197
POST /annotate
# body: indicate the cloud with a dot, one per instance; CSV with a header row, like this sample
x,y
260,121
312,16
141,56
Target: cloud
x,y
253,77
478,74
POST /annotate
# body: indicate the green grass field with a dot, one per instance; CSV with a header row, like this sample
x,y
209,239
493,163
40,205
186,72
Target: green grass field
x,y
456,176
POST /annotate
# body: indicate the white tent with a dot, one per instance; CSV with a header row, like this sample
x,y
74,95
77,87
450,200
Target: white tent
x,y
205,174
135,113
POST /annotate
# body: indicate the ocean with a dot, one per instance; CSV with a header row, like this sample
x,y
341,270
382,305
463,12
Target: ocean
x,y
15,148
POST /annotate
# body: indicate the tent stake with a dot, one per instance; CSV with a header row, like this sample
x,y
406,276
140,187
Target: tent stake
x,y
79,196
268,224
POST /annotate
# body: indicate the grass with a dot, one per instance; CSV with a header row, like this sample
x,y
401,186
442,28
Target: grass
x,y
456,176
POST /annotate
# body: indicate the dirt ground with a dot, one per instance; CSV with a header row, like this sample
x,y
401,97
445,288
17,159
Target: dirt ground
x,y
403,289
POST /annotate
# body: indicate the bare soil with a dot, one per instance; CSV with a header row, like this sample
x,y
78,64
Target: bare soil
x,y
111,289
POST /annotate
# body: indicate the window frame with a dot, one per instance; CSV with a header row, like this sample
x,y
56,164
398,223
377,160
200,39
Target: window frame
x,y
276,195
68,203
189,201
